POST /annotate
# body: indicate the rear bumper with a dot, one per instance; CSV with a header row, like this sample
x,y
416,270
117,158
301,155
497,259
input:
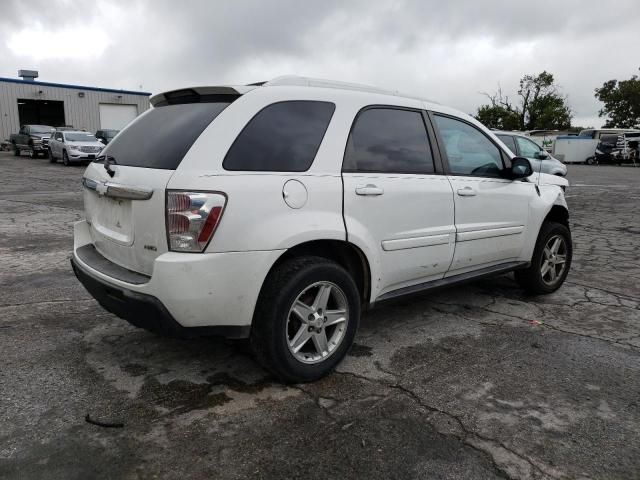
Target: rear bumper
x,y
187,294
146,311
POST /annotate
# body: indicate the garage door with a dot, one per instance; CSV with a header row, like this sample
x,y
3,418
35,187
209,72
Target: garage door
x,y
116,116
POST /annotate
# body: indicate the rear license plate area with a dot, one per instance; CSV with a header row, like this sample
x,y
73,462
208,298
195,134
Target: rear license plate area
x,y
111,219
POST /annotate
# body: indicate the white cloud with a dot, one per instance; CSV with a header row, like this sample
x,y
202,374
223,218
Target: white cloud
x,y
448,51
70,42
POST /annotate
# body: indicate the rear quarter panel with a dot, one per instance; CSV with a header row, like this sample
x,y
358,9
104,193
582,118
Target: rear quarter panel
x,y
256,216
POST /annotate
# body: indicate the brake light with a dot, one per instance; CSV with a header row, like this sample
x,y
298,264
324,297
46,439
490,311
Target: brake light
x,y
192,219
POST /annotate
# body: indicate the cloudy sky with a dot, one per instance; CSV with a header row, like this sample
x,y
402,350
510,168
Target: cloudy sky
x,y
448,51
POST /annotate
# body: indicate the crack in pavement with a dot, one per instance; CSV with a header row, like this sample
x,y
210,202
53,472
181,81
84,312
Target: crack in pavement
x,y
611,292
543,325
469,435
568,332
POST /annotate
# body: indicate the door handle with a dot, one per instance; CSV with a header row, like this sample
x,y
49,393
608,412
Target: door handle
x,y
466,192
369,189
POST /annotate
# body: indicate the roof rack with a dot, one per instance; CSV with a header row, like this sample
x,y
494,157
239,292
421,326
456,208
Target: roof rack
x,y
165,98
294,80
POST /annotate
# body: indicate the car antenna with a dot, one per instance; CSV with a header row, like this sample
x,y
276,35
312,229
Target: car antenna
x,y
539,174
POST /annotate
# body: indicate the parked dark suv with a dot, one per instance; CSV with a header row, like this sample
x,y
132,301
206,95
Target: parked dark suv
x,y
106,135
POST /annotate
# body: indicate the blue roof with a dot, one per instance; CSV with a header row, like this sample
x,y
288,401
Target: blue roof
x,y
77,87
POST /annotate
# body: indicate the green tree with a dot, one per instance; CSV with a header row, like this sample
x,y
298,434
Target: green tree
x,y
621,102
540,106
497,116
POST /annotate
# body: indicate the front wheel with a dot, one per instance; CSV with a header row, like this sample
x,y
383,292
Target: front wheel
x,y
591,161
16,151
65,158
52,159
551,260
306,319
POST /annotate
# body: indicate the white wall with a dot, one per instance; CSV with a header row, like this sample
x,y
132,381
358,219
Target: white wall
x,y
81,112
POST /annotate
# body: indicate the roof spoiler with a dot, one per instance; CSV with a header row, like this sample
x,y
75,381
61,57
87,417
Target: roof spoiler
x,y
200,95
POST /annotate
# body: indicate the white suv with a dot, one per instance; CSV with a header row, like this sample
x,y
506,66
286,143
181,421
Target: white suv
x,y
279,211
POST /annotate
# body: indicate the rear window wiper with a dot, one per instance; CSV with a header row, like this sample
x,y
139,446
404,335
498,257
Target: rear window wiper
x,y
108,161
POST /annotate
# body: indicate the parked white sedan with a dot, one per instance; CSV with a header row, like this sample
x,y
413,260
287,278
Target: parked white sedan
x,y
73,146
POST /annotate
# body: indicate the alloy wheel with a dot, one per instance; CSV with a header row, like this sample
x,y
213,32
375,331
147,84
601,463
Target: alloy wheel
x,y
554,259
317,322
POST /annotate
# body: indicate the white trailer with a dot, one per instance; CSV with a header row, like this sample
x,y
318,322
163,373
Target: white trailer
x,y
582,148
574,149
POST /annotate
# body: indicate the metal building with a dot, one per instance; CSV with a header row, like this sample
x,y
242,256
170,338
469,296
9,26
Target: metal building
x,y
26,101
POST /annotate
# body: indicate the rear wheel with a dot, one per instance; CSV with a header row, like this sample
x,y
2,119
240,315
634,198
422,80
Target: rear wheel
x,y
551,260
65,158
306,318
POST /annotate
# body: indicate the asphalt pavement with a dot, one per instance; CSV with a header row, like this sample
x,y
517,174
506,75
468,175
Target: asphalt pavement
x,y
478,381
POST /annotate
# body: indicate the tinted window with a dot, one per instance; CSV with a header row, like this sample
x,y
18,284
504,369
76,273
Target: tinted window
x,y
509,142
468,150
283,137
587,133
161,137
612,139
388,140
528,148
79,137
41,129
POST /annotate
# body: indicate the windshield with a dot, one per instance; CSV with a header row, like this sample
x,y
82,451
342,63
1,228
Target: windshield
x,y
41,129
80,137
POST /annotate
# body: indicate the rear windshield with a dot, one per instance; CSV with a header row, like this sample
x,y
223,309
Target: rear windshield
x,y
41,129
161,137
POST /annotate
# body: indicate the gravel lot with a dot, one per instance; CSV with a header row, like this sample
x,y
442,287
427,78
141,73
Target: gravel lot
x,y
475,382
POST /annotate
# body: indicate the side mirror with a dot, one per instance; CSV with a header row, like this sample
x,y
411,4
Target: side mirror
x,y
520,168
542,155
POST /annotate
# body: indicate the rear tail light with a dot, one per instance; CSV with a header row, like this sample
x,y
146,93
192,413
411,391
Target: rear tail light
x,y
192,219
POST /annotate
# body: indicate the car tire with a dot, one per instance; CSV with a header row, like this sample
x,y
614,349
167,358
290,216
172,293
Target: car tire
x,y
289,345
590,161
551,261
52,159
32,153
65,158
16,151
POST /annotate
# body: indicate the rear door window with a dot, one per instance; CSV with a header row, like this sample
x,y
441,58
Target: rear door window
x,y
283,137
388,140
161,137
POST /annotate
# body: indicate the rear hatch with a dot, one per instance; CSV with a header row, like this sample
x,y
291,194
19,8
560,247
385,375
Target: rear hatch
x,y
124,189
